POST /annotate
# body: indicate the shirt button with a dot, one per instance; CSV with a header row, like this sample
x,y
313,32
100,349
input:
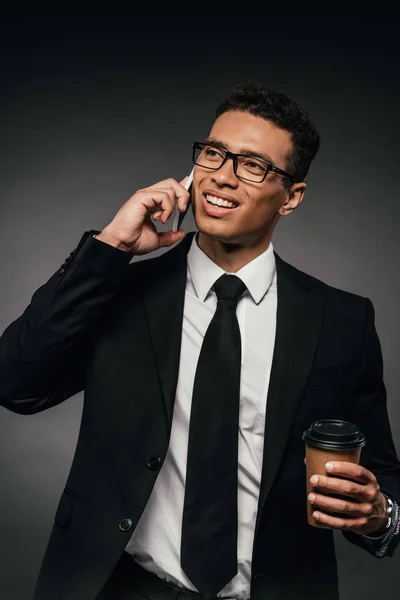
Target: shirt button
x,y
125,524
154,463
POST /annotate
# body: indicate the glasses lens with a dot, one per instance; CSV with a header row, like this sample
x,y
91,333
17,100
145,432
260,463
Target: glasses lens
x,y
208,156
251,169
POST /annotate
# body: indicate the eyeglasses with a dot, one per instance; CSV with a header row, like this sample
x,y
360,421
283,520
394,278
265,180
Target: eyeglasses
x,y
245,167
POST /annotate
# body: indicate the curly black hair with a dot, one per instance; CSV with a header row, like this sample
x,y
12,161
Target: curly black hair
x,y
286,113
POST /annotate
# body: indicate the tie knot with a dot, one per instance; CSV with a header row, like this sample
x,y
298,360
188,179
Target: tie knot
x,y
229,287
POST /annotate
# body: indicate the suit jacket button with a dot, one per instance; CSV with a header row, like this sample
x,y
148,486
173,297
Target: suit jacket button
x,y
154,463
66,262
125,524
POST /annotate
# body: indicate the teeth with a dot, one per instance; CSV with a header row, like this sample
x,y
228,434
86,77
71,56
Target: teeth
x,y
219,202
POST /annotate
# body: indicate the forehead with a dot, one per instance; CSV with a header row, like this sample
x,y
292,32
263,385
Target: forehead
x,y
242,131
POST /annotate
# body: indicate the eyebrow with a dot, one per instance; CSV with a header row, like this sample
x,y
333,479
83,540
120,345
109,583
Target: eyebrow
x,y
245,151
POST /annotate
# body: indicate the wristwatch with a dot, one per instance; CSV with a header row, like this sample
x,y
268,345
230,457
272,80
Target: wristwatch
x,y
389,512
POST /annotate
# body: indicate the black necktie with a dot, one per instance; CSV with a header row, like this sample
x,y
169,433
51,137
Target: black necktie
x,y
210,518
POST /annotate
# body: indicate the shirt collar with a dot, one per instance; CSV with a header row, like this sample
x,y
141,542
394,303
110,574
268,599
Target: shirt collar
x,y
257,275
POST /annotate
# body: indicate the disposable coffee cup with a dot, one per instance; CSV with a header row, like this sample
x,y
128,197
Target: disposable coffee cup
x,y
329,440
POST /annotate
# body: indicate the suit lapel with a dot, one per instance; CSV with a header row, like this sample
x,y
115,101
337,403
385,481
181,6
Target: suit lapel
x,y
163,295
299,319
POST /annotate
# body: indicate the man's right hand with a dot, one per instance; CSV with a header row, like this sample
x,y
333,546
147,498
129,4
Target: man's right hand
x,y
132,228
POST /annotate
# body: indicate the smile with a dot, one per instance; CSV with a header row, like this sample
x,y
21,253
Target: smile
x,y
218,207
215,201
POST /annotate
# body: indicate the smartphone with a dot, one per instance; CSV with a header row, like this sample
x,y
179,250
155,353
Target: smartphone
x,y
179,216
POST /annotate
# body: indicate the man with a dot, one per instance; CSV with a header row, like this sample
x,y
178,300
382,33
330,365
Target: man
x,y
188,479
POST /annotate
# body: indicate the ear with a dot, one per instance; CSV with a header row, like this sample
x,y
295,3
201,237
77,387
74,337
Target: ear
x,y
293,198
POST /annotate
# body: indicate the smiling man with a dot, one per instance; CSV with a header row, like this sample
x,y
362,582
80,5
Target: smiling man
x,y
201,369
256,186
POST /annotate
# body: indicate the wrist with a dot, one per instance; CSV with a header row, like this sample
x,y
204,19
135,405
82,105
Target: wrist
x,y
109,238
378,533
383,530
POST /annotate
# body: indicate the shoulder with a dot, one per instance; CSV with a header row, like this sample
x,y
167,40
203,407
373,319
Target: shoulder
x,y
334,298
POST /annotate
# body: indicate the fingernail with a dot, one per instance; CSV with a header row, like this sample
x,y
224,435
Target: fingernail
x,y
315,515
311,497
329,466
314,479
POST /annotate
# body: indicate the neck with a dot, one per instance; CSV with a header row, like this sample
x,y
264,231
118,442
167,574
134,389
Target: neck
x,y
231,257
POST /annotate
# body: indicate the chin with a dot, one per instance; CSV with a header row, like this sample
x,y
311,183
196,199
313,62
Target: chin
x,y
219,232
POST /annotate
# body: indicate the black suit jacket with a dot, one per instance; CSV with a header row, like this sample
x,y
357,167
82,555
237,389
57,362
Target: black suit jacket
x,y
115,331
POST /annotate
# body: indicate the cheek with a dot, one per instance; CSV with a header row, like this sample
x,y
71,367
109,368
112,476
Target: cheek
x,y
262,209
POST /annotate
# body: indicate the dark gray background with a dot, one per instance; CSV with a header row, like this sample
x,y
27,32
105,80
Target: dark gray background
x,y
95,107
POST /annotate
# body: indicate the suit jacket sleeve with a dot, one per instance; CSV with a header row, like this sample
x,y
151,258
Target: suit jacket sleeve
x,y
43,352
370,414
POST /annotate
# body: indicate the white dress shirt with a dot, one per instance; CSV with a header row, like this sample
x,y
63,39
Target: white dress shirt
x,y
155,543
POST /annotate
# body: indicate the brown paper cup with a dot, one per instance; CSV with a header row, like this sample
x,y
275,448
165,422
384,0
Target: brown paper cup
x,y
316,461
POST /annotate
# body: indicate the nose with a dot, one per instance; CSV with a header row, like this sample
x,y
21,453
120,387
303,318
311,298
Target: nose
x,y
225,175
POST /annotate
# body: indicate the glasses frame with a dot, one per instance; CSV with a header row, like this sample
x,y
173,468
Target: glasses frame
x,y
234,157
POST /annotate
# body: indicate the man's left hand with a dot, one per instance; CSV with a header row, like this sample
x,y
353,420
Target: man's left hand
x,y
365,508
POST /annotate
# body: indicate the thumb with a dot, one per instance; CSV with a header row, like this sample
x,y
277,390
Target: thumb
x,y
167,238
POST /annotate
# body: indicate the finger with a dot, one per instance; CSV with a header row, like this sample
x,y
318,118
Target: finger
x,y
169,191
181,201
181,195
156,211
157,215
335,505
351,470
184,198
343,487
340,523
167,238
158,200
